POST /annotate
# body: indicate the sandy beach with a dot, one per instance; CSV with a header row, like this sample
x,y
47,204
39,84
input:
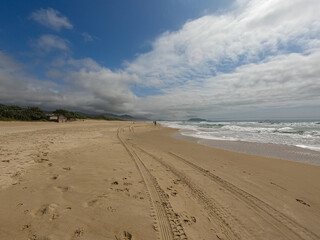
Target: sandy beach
x,y
125,180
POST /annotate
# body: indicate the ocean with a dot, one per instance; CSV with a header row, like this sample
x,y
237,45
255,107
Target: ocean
x,y
302,134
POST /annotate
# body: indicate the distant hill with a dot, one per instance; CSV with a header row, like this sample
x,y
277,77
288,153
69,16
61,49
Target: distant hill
x,y
111,116
128,117
121,117
197,120
9,113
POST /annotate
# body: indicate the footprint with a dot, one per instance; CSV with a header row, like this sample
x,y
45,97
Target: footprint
x,y
33,237
54,177
42,210
26,226
91,203
47,209
41,160
124,236
78,232
173,192
176,181
16,174
187,219
67,168
111,209
54,216
104,195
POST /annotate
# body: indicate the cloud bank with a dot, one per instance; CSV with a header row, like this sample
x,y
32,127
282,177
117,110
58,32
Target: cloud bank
x,y
219,43
258,56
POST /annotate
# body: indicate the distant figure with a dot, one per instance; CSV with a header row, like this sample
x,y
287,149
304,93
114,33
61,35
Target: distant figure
x,y
155,123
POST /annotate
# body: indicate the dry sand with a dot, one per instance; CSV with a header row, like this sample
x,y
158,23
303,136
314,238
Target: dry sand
x,y
124,180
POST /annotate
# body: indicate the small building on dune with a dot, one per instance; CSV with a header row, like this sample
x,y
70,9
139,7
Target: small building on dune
x,y
62,118
56,117
52,117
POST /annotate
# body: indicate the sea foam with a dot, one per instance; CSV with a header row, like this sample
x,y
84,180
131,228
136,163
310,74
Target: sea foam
x,y
303,134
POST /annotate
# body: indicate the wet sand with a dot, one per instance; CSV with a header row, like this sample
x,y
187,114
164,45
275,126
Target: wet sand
x,y
124,180
285,152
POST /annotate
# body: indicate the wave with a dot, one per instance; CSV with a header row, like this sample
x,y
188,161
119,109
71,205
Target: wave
x,y
302,134
289,130
210,125
309,147
204,135
236,128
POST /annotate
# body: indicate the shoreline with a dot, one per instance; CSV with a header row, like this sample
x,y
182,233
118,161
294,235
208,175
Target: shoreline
x,y
283,152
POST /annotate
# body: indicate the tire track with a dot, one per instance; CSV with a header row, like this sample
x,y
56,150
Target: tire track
x,y
292,229
167,223
222,217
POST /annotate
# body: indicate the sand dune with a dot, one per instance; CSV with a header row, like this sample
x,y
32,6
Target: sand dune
x,y
124,180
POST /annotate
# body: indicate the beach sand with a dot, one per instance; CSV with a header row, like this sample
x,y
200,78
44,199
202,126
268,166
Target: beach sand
x,y
125,180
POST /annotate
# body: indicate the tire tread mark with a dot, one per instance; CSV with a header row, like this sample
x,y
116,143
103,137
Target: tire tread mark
x,y
293,228
176,226
165,222
225,219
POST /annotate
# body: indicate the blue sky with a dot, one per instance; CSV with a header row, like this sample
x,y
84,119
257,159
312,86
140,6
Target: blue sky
x,y
116,30
170,59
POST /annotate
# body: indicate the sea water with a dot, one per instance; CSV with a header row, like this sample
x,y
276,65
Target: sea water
x,y
303,134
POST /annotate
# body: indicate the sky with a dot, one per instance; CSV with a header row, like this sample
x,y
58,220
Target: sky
x,y
168,59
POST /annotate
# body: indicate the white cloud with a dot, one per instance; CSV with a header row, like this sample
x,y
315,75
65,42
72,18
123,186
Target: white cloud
x,y
236,61
48,42
53,74
87,37
200,47
110,89
51,18
284,81
17,87
87,87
